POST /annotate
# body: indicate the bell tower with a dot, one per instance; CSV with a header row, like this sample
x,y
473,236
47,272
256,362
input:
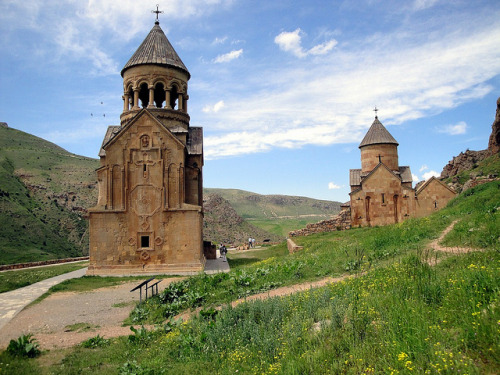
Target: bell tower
x,y
149,214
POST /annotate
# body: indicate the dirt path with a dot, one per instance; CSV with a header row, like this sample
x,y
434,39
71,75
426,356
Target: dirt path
x,y
453,250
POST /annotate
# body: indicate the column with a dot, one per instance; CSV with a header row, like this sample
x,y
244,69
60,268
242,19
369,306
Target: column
x,y
136,98
186,98
167,99
179,101
125,102
151,103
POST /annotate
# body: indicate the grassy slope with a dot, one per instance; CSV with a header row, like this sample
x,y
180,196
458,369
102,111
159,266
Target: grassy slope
x,y
403,316
277,214
43,189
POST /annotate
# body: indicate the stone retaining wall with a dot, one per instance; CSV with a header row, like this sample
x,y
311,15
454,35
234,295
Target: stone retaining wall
x,y
41,263
342,221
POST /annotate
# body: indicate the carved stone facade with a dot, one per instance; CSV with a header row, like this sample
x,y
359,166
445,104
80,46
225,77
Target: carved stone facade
x,y
149,217
382,192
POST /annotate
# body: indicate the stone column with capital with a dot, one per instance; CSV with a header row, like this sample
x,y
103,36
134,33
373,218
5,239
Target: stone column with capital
x,y
151,103
179,101
167,99
136,99
126,102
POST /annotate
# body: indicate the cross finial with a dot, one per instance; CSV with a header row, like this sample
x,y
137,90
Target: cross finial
x,y
157,11
375,110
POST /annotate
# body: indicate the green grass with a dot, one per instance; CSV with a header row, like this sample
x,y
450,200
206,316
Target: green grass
x,y
10,280
80,327
400,316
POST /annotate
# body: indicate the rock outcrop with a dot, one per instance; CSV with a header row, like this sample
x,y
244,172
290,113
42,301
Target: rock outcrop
x,y
494,142
463,162
469,159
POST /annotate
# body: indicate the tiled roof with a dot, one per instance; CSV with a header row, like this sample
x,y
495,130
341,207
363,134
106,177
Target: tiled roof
x,y
156,49
110,133
355,177
377,134
405,174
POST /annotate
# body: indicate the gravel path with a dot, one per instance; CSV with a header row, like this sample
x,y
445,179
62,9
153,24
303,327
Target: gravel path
x,y
103,310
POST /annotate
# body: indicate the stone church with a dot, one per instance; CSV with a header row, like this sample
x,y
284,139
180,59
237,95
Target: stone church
x,y
149,215
382,192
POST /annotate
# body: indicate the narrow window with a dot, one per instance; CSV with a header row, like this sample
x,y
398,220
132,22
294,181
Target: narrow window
x,y
383,198
435,204
144,168
144,241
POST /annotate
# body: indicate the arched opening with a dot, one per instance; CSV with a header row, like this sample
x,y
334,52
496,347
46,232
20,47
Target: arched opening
x,y
367,209
144,95
159,94
174,93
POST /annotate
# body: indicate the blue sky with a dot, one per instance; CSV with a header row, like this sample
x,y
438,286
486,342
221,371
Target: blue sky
x,y
284,90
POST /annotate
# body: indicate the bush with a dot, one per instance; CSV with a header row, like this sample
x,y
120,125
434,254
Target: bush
x,y
95,342
24,346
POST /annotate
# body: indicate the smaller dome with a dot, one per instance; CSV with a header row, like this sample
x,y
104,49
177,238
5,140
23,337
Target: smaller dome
x,y
377,134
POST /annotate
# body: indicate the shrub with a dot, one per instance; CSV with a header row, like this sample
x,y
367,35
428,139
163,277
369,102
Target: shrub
x,y
24,346
95,342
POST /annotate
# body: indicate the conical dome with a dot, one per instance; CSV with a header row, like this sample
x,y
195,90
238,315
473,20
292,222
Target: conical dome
x,y
377,134
156,50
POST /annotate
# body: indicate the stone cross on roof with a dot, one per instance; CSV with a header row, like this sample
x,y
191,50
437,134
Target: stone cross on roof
x,y
375,110
157,12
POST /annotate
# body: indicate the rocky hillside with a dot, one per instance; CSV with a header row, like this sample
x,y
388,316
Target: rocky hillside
x,y
470,168
223,224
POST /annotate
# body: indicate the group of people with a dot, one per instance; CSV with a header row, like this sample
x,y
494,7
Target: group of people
x,y
251,242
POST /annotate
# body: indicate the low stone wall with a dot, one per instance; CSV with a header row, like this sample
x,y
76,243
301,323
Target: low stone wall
x,y
340,222
16,266
292,246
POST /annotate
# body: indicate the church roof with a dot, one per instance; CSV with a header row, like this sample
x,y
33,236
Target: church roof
x,y
356,177
157,50
110,133
377,134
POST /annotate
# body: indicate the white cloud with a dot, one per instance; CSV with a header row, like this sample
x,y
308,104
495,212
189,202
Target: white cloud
x,y
291,42
424,4
74,30
415,178
430,174
331,186
219,40
228,56
423,168
457,129
215,108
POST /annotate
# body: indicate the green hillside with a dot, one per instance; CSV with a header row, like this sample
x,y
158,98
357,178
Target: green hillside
x,y
277,214
44,193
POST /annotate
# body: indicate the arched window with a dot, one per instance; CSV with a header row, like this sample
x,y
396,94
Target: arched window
x,y
130,103
144,95
159,94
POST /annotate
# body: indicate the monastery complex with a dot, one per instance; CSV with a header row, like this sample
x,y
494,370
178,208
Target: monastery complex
x,y
149,214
